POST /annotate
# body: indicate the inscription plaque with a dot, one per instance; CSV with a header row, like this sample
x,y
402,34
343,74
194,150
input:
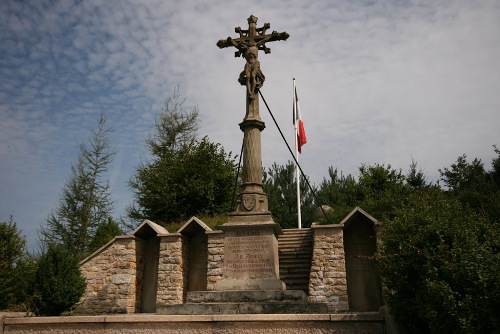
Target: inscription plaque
x,y
249,254
250,258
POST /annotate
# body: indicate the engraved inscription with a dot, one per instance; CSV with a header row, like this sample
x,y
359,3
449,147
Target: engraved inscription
x,y
248,255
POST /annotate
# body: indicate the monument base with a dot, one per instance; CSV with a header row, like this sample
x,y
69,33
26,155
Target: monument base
x,y
250,253
245,302
250,284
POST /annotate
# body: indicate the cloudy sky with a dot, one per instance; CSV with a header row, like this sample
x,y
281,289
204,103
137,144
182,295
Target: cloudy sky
x,y
378,81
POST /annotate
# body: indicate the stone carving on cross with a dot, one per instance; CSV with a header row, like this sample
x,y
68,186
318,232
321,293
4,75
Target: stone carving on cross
x,y
252,37
248,44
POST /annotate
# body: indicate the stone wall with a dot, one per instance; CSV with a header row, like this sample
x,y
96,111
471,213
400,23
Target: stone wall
x,y
172,270
327,280
361,323
113,276
215,258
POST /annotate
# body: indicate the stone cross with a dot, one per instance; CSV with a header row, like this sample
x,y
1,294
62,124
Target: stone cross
x,y
252,201
251,260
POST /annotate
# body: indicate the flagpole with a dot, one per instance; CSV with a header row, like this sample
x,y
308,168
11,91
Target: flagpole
x,y
297,174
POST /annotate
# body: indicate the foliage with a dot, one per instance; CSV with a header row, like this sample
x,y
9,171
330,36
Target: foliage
x,y
415,178
105,232
474,186
174,128
440,255
379,190
58,282
383,190
280,186
16,267
495,172
86,200
186,176
441,266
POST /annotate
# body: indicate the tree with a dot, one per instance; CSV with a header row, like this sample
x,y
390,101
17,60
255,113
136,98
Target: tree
x,y
341,193
58,283
186,176
280,186
463,174
415,178
86,199
15,266
495,173
474,186
441,266
174,127
105,232
379,189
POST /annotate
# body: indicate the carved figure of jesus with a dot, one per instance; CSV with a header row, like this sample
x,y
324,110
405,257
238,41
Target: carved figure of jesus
x,y
252,76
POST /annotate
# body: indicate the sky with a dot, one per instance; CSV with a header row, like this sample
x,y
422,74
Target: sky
x,y
378,82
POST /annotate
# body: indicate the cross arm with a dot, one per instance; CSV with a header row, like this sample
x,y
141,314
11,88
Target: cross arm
x,y
259,40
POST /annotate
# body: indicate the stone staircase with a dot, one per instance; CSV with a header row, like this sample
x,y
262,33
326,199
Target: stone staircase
x,y
245,302
295,255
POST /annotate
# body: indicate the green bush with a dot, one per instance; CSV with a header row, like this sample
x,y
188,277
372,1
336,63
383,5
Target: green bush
x,y
441,266
58,282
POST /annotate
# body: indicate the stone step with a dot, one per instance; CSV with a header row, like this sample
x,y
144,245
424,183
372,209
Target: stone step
x,y
291,262
294,245
298,262
295,270
303,243
302,239
294,251
297,231
243,308
303,267
294,236
294,276
291,253
246,296
289,237
295,254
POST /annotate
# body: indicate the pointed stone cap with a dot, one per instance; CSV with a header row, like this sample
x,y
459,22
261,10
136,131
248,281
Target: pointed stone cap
x,y
193,225
356,214
148,229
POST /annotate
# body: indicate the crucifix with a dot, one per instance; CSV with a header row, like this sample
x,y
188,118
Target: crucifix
x,y
251,260
252,201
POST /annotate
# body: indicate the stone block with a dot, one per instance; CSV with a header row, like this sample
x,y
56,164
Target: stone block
x,y
246,296
215,251
250,284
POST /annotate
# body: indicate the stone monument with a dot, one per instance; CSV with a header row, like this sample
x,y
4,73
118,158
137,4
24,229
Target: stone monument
x,y
250,235
239,278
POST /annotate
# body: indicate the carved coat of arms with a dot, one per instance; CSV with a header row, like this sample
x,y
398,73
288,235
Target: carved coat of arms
x,y
249,202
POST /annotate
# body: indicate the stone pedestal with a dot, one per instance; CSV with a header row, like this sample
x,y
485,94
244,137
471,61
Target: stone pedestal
x,y
250,257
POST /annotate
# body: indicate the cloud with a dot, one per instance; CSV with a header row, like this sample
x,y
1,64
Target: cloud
x,y
378,81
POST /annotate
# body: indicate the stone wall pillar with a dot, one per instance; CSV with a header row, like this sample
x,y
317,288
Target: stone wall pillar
x,y
327,281
215,258
111,275
172,264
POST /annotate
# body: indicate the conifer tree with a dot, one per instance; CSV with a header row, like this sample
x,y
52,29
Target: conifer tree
x,y
186,175
86,198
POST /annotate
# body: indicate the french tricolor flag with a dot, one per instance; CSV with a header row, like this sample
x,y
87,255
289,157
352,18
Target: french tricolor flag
x,y
297,121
